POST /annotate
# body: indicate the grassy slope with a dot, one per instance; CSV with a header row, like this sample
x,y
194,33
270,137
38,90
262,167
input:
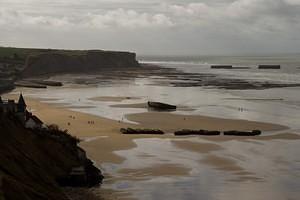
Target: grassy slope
x,y
24,52
13,62
29,163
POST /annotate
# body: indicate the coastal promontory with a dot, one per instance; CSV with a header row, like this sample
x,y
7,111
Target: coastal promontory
x,y
17,64
36,163
54,62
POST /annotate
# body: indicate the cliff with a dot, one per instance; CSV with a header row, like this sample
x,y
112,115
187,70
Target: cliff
x,y
55,62
18,63
34,163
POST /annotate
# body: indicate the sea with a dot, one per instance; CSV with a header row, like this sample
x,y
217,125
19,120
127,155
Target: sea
x,y
277,105
273,166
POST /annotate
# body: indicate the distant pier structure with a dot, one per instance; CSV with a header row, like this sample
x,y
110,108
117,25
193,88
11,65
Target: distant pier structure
x,y
269,66
221,67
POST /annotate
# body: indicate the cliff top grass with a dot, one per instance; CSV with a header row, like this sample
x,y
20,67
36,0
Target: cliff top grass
x,y
22,53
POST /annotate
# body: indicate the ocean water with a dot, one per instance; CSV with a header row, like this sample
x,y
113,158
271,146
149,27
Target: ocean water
x,y
289,72
276,105
280,105
273,166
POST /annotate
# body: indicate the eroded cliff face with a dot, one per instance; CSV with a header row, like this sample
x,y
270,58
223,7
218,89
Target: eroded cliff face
x,y
57,62
32,162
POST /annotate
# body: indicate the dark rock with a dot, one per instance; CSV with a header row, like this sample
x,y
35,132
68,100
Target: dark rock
x,y
29,85
47,83
141,131
269,67
243,133
196,132
86,175
221,67
161,106
94,175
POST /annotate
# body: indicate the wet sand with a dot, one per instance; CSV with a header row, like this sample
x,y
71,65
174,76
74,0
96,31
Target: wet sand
x,y
172,122
109,139
145,106
230,165
112,98
159,170
135,105
103,138
221,163
197,146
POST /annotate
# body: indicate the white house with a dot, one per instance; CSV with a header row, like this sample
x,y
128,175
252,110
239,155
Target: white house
x,y
33,122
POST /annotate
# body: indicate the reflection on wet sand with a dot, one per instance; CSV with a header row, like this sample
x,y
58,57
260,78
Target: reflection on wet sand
x,y
255,140
172,122
156,170
217,167
145,106
196,146
226,164
136,105
113,98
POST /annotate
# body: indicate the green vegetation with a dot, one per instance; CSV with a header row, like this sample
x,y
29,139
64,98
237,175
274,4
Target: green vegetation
x,y
12,53
53,130
20,63
30,162
22,53
12,62
33,161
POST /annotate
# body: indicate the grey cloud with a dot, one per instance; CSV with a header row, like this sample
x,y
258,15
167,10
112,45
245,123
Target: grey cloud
x,y
190,27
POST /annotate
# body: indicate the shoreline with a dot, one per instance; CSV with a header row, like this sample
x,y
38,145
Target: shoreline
x,y
102,139
107,130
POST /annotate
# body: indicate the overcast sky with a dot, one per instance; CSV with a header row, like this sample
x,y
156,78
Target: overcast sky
x,y
154,27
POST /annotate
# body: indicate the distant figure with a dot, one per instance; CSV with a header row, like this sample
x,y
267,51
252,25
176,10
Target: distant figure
x,y
88,122
69,123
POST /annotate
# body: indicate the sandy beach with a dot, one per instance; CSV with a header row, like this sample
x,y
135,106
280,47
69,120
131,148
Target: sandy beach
x,y
146,100
101,139
106,132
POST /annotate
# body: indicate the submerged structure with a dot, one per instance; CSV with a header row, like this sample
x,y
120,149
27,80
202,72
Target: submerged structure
x,y
161,106
269,67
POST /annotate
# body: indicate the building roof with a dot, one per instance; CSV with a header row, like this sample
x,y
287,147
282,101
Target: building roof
x,y
21,100
36,119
